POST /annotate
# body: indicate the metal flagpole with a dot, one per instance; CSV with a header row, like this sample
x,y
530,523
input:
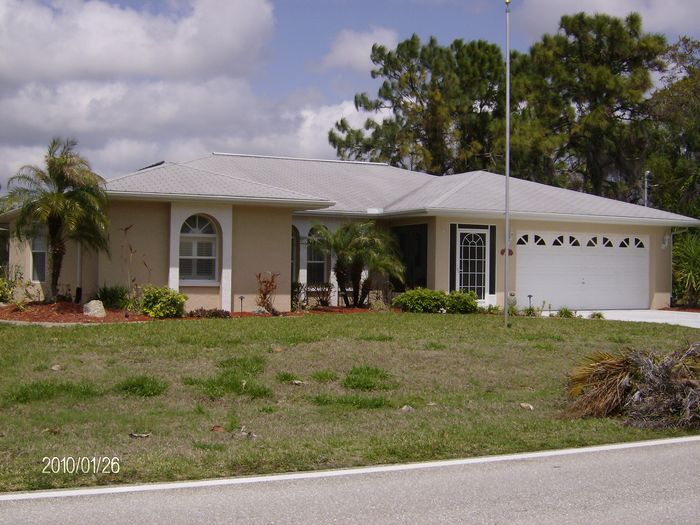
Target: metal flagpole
x,y
506,295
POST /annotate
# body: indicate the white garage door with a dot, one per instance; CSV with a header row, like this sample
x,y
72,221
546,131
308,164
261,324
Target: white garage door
x,y
582,271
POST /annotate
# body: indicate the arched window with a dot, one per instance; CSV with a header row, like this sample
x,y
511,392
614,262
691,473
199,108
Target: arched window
x,y
198,249
295,254
317,263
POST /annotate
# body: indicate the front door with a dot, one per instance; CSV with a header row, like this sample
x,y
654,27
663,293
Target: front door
x,y
473,261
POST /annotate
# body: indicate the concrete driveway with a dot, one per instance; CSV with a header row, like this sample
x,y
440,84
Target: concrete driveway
x,y
691,319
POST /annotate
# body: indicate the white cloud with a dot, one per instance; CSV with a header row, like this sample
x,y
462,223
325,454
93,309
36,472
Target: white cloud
x,y
351,49
536,17
95,39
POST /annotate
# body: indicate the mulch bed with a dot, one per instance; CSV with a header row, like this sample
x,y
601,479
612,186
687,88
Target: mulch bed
x,y
682,309
63,312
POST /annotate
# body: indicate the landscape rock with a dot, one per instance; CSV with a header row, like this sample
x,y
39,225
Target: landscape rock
x,y
407,408
56,368
526,406
94,308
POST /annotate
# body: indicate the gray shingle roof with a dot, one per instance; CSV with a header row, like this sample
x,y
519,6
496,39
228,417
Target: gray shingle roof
x,y
373,189
182,180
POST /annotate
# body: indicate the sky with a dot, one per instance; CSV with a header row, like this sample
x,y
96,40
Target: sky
x,y
137,82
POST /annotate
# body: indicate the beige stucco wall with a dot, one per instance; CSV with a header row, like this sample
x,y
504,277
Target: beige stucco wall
x,y
201,297
69,280
659,263
138,241
261,243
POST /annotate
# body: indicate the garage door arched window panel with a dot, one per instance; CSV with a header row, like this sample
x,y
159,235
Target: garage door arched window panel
x,y
558,241
573,241
199,249
523,240
539,241
638,243
625,243
473,262
607,243
592,242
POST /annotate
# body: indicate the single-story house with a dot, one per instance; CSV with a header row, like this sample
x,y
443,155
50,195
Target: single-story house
x,y
207,226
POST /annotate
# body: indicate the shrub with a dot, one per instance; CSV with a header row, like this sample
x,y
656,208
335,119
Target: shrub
x,y
686,268
298,296
210,313
143,386
422,300
321,293
161,302
461,302
565,313
597,315
7,289
530,311
267,285
116,297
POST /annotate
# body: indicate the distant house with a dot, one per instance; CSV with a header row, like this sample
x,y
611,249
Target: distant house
x,y
207,226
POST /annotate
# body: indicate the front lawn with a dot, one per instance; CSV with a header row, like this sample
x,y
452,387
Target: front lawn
x,y
260,395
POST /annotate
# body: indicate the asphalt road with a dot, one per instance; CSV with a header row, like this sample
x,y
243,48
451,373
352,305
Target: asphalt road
x,y
642,484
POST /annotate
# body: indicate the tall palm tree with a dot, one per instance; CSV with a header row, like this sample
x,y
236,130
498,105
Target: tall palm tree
x,y
66,199
359,247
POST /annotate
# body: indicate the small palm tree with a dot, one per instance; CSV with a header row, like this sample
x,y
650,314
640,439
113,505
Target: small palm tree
x,y
686,267
359,247
66,199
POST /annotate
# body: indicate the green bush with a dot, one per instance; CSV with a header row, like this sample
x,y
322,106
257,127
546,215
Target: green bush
x,y
461,302
116,297
161,302
7,289
422,300
566,313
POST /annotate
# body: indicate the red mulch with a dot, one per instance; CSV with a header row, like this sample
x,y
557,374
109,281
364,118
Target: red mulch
x,y
63,312
682,309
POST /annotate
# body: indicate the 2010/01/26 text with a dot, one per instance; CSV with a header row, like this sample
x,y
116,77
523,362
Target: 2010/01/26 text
x,y
80,465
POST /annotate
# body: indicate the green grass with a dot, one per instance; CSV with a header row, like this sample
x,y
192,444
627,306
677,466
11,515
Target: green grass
x,y
45,390
286,377
465,376
368,378
325,376
144,386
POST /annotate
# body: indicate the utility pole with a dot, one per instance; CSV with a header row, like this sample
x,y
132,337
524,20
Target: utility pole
x,y
506,295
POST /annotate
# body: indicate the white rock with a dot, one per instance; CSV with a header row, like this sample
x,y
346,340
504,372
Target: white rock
x,y
94,308
407,408
526,406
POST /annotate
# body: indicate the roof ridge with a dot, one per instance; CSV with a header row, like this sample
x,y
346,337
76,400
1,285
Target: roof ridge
x,y
410,192
339,161
454,190
278,188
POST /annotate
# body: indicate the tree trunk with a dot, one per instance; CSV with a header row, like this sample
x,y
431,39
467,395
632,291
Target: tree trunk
x,y
341,276
356,268
57,249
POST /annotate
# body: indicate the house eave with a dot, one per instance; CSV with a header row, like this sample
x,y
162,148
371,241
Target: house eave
x,y
306,204
497,214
